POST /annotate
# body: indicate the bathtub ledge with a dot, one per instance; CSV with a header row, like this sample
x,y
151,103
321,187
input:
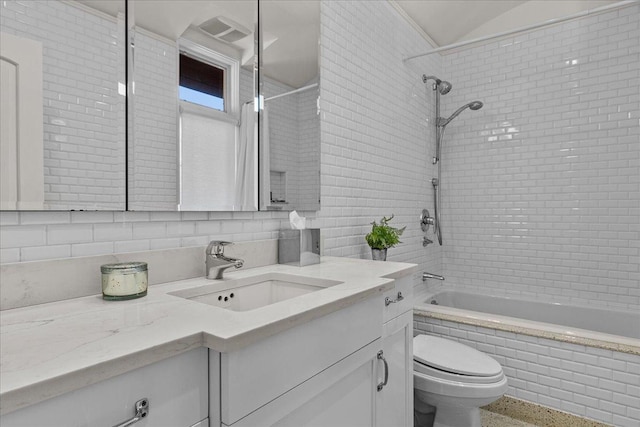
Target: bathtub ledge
x,y
630,349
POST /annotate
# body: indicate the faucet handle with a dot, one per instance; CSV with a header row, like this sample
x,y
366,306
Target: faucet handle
x,y
219,245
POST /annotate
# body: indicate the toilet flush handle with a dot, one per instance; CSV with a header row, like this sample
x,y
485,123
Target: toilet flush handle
x,y
380,356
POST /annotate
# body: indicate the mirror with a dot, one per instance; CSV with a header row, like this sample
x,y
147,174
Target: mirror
x,y
193,123
62,129
72,154
290,120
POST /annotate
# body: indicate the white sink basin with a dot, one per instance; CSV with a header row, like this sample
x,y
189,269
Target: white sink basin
x,y
253,292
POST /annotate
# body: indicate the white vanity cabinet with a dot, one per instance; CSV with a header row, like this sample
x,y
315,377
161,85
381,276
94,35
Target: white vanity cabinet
x,y
285,377
394,405
327,372
175,388
344,362
341,395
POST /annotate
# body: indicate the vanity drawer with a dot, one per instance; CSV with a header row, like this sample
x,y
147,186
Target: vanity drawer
x,y
404,285
255,375
176,390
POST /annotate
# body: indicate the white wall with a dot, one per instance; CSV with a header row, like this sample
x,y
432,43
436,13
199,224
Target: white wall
x,y
541,188
83,145
377,133
374,160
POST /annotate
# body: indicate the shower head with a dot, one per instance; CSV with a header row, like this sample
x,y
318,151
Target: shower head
x,y
473,105
443,86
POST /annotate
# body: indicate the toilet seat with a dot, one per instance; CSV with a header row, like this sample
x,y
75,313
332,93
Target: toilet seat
x,y
452,361
430,371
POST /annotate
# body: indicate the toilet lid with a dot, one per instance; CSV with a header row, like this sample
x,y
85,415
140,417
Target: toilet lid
x,y
450,356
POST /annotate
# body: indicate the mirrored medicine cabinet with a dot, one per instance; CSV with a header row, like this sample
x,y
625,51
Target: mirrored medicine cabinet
x,y
168,120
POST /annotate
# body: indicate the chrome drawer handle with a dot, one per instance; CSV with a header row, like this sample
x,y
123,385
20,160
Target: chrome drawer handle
x,y
388,300
380,356
142,410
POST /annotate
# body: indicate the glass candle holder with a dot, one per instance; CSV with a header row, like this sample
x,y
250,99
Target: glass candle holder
x,y
124,281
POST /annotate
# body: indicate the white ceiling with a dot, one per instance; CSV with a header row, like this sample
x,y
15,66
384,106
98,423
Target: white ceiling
x,y
448,21
451,21
293,26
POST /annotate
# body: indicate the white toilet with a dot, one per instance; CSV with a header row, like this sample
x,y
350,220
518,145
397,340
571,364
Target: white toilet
x,y
455,379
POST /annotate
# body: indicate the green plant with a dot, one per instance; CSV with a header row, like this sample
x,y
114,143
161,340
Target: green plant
x,y
383,236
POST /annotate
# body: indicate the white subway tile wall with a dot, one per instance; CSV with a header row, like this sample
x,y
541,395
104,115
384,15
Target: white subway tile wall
x,y
83,144
309,148
294,129
377,136
377,129
541,186
283,137
100,233
600,384
153,155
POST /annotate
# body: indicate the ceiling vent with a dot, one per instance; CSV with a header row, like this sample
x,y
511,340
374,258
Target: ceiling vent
x,y
224,29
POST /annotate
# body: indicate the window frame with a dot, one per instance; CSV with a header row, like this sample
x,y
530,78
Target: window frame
x,y
231,82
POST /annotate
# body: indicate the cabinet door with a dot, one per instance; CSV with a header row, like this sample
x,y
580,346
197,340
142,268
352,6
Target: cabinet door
x,y
255,375
394,405
344,395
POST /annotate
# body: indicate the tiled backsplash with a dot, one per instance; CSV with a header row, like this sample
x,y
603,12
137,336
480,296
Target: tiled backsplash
x,y
39,282
541,186
31,236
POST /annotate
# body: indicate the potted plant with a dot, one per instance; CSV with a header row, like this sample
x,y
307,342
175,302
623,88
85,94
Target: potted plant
x,y
382,237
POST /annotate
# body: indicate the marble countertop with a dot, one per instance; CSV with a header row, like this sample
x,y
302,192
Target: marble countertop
x,y
50,349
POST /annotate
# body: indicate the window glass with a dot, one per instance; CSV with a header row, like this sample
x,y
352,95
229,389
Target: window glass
x,y
201,83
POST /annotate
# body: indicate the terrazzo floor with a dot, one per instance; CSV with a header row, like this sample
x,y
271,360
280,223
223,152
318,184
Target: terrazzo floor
x,y
491,419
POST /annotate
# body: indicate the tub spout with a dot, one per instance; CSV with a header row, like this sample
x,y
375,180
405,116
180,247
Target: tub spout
x,y
426,276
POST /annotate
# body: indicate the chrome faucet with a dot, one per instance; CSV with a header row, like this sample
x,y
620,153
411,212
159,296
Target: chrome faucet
x,y
216,262
426,276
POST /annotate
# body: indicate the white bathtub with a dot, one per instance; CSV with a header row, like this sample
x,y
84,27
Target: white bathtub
x,y
596,327
581,360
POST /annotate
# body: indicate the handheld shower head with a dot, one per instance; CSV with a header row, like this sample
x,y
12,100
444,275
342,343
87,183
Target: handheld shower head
x,y
473,105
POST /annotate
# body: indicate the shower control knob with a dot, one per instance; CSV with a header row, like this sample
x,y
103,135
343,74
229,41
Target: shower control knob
x,y
426,220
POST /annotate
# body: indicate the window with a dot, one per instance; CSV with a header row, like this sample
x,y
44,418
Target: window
x,y
202,83
208,81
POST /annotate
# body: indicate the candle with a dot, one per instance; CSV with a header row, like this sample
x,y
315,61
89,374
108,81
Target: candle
x,y
124,280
